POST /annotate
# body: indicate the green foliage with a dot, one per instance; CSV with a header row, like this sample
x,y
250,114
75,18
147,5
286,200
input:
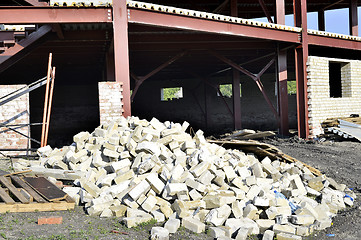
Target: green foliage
x,y
291,87
226,90
170,93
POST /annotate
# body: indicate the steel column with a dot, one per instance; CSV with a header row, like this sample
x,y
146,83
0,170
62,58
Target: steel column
x,y
353,18
234,8
280,12
281,78
121,56
321,20
301,55
282,95
236,93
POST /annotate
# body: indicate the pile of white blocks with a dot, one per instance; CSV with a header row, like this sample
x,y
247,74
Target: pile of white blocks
x,y
142,170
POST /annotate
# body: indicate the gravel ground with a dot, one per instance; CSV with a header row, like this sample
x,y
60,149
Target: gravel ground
x,y
338,160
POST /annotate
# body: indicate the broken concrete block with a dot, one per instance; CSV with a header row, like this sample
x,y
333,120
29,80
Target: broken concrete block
x,y
218,216
278,228
159,233
230,173
149,203
216,232
120,164
302,231
121,177
172,225
148,147
286,236
174,188
261,202
268,235
140,189
265,224
156,184
195,195
166,210
304,220
193,225
118,211
250,211
106,213
237,209
257,170
253,192
316,183
234,224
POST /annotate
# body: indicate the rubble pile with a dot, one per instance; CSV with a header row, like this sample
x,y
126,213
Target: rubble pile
x,y
143,170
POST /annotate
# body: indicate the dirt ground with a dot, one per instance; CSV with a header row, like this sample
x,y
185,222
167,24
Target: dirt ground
x,y
338,160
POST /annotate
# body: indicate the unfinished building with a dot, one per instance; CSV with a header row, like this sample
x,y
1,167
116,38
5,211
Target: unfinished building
x,y
208,62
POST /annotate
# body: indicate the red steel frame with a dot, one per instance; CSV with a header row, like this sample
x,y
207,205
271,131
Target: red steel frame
x,y
121,16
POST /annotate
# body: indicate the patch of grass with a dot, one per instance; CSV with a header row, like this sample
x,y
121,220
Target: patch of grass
x,y
57,237
3,235
144,224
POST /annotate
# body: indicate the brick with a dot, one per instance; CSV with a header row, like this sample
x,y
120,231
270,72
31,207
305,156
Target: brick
x,y
50,220
159,233
286,236
172,225
278,228
193,225
268,235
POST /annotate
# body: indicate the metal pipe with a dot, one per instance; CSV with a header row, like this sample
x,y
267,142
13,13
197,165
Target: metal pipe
x,y
49,107
46,100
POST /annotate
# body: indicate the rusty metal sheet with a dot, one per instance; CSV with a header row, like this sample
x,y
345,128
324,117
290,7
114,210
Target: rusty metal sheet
x,y
45,188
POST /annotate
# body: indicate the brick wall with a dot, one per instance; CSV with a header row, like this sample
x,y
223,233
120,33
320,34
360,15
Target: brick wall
x,y
320,105
13,113
110,101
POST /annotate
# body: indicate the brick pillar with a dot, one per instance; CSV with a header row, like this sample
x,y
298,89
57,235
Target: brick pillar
x,y
110,101
15,112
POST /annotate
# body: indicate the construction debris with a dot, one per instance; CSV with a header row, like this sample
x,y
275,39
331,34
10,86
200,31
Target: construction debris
x,y
347,128
246,134
144,170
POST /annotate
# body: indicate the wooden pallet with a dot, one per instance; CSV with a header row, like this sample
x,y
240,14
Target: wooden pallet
x,y
18,195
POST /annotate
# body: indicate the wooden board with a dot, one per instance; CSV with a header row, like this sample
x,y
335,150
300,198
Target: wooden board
x,y
45,188
32,207
13,189
31,191
5,197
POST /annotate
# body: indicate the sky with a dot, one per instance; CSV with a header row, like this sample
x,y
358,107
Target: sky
x,y
336,21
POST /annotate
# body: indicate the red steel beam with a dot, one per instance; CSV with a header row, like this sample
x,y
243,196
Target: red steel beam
x,y
11,55
234,8
353,19
42,15
333,42
121,53
210,26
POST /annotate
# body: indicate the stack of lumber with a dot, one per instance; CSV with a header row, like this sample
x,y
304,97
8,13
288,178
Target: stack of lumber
x,y
29,194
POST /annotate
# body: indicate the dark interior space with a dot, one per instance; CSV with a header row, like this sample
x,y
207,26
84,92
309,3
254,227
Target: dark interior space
x,y
335,79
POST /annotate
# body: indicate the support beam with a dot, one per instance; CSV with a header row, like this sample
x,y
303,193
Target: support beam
x,y
121,53
139,80
11,55
333,42
204,25
236,93
321,20
282,95
265,11
255,77
353,18
301,55
44,15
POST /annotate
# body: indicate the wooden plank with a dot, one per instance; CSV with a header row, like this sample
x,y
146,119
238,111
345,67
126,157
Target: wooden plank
x,y
257,135
13,190
31,191
5,197
15,173
33,207
45,188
